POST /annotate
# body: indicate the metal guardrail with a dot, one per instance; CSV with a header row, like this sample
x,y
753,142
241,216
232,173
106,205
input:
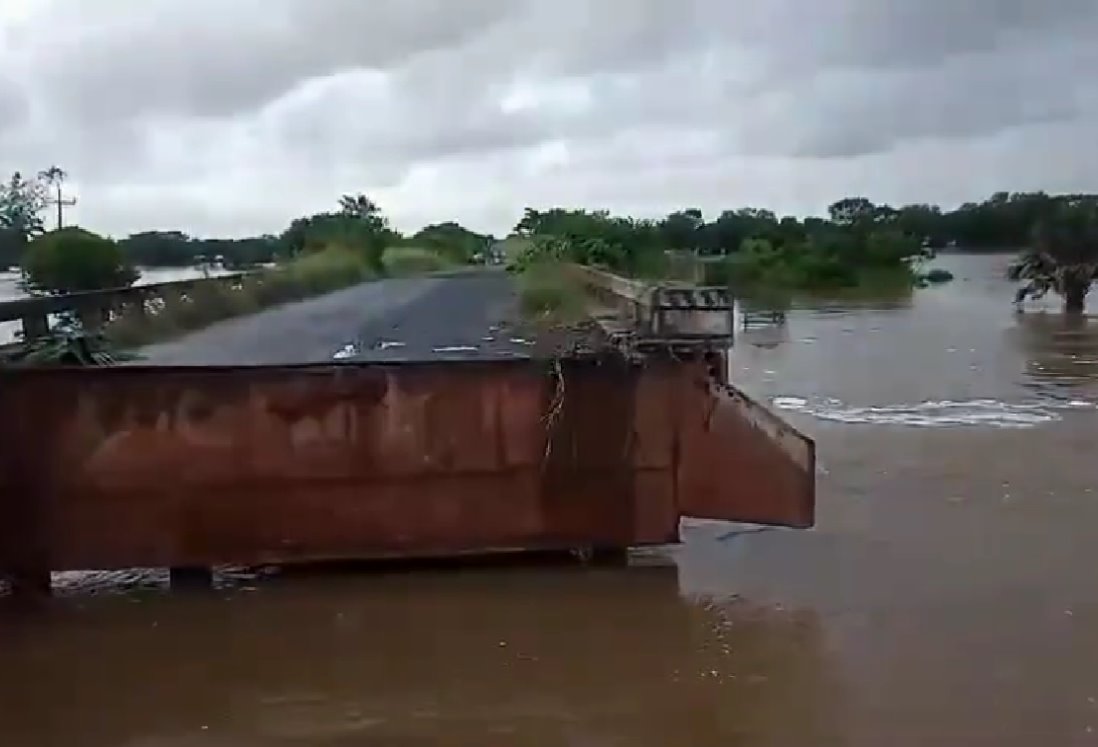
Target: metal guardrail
x,y
94,307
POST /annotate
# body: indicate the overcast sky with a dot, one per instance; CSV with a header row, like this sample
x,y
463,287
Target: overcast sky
x,y
230,117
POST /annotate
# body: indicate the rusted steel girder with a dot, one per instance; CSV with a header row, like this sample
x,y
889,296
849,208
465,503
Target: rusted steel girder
x,y
189,467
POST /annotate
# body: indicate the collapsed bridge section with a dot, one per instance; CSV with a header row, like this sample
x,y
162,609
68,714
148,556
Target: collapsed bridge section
x,y
135,466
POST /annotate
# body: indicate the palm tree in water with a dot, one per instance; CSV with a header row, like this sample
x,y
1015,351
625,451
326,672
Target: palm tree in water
x,y
1063,258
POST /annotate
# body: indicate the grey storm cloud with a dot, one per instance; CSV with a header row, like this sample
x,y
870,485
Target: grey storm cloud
x,y
13,104
189,110
211,58
897,33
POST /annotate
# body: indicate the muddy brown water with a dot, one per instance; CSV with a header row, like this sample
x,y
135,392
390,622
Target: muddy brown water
x,y
949,595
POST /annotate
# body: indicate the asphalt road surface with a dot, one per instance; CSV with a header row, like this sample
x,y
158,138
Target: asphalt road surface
x,y
427,318
460,317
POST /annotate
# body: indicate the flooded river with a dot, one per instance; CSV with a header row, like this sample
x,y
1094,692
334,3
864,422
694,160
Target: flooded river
x,y
948,595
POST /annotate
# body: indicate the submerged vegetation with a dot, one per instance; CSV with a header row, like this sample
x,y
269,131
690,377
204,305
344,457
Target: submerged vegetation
x,y
751,250
1063,255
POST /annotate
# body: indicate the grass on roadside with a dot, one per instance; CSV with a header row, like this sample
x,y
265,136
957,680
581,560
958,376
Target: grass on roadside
x,y
403,261
206,303
548,295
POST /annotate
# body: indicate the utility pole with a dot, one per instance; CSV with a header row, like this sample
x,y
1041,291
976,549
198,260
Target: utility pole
x,y
61,203
55,177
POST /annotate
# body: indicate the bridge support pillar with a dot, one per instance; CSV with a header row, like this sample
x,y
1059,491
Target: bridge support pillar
x,y
35,326
602,556
718,365
190,578
28,585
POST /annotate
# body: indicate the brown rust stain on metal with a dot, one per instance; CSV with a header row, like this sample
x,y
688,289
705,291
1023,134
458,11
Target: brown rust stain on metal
x,y
740,462
587,490
108,468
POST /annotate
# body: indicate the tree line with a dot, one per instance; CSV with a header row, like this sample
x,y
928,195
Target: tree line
x,y
858,242
1004,220
356,222
852,247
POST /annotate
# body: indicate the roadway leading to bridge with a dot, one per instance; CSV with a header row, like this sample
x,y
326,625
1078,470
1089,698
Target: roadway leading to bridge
x,y
463,317
427,318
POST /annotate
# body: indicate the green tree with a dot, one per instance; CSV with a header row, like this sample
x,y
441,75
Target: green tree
x,y
73,259
451,240
160,249
722,235
528,224
852,211
21,205
681,229
1063,257
241,254
728,232
358,224
363,209
622,244
924,222
177,249
859,243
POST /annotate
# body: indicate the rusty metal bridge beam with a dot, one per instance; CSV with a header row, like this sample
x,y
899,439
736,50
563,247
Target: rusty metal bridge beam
x,y
193,467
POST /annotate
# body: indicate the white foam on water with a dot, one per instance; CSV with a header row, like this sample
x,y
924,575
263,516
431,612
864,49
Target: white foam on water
x,y
350,350
936,414
455,349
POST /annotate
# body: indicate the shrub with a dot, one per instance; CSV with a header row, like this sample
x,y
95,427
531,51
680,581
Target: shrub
x,y
400,261
136,325
72,259
833,262
202,305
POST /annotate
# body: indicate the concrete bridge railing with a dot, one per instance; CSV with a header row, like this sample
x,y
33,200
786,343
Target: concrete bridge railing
x,y
94,308
663,312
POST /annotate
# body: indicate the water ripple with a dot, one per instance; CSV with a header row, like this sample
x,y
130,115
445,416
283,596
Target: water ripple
x,y
937,414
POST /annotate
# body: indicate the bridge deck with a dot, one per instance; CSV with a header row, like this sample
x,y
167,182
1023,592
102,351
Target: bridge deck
x,y
427,318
